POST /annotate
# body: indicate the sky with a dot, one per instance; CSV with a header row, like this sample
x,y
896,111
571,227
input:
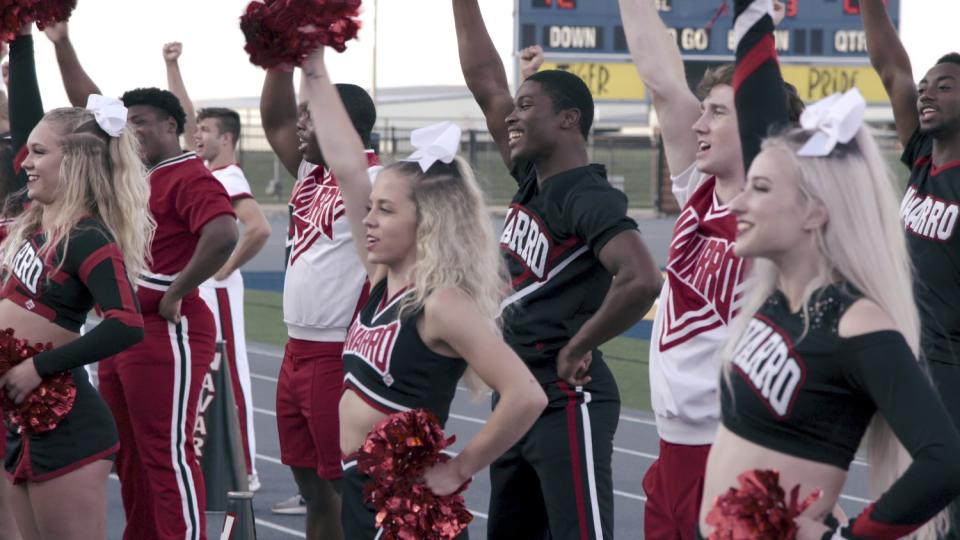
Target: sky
x,y
119,42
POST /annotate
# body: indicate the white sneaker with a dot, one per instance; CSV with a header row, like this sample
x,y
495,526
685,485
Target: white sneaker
x,y
253,482
293,506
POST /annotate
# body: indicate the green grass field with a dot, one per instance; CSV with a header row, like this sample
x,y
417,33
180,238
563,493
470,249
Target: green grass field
x,y
627,357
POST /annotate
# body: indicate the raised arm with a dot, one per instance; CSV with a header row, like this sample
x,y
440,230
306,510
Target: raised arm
x,y
892,63
342,149
25,105
278,114
483,72
657,59
78,84
759,92
171,56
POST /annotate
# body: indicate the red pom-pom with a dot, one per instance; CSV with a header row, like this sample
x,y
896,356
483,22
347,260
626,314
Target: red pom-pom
x,y
759,509
282,33
16,13
49,403
395,455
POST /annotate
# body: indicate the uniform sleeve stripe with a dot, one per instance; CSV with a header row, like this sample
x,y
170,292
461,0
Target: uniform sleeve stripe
x,y
747,16
94,259
18,159
762,52
865,527
129,318
127,299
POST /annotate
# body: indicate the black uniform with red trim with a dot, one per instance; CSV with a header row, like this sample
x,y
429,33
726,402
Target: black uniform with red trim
x,y
799,388
153,388
387,364
929,213
558,477
63,290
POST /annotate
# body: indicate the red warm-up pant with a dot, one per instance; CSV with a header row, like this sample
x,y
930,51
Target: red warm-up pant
x,y
153,390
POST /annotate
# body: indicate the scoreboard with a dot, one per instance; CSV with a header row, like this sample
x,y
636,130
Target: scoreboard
x,y
821,43
813,30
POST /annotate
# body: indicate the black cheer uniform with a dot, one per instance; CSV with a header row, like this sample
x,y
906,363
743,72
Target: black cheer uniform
x,y
92,275
558,477
387,364
811,394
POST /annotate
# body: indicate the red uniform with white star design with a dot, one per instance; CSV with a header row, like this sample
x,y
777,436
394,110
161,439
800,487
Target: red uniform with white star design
x,y
699,298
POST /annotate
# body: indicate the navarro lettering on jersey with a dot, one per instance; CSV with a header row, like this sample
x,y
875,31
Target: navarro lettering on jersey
x,y
525,236
765,359
28,267
316,204
705,276
373,345
927,216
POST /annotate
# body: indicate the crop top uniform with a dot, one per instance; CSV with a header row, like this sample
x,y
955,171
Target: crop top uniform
x,y
387,364
92,275
810,393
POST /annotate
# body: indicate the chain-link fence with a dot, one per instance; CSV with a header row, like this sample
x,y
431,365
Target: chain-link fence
x,y
634,164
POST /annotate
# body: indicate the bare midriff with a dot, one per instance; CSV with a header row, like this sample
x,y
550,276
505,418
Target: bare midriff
x,y
32,327
732,455
357,418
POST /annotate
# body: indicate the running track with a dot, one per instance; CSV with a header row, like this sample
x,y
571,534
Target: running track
x,y
635,448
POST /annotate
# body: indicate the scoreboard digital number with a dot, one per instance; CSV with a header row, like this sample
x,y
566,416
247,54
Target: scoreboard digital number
x,y
813,30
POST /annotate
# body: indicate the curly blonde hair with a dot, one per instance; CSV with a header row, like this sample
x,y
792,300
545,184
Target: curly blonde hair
x,y
101,177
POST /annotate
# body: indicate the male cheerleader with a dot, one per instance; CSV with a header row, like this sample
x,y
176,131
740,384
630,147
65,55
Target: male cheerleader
x,y
582,276
927,116
215,136
321,294
705,280
152,388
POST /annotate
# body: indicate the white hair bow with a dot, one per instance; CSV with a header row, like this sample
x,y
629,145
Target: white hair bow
x,y
836,118
110,113
437,142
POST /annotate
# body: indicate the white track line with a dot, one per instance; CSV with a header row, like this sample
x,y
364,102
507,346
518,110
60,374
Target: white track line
x,y
269,459
280,528
474,420
274,526
263,377
617,492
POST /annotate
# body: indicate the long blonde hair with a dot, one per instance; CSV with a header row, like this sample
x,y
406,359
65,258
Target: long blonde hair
x,y
456,247
864,244
101,177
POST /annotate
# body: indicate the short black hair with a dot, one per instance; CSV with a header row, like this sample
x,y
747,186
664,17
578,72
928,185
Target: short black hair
x,y
228,120
567,91
360,108
162,100
950,58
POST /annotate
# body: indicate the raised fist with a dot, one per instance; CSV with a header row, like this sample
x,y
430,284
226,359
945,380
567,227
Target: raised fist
x,y
531,59
171,51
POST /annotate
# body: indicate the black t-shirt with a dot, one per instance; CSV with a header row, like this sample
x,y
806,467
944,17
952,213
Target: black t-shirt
x,y
551,240
930,211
